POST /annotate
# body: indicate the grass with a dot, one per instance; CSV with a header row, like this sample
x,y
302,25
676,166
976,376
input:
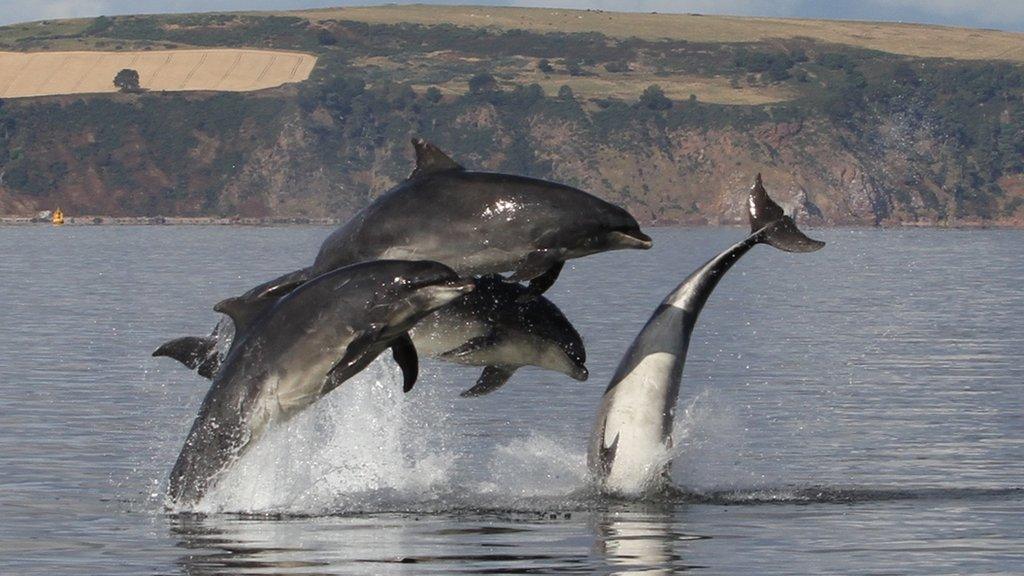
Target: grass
x,y
906,39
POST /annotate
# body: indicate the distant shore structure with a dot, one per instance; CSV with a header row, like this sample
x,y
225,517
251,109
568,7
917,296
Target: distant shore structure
x,y
58,217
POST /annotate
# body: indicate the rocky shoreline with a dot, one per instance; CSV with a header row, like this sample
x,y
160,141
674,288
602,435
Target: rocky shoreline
x,y
210,221
168,221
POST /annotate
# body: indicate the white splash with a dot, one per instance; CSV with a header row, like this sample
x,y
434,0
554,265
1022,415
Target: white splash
x,y
367,447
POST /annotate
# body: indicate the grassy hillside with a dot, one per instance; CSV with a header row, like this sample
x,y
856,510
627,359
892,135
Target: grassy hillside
x,y
668,114
908,39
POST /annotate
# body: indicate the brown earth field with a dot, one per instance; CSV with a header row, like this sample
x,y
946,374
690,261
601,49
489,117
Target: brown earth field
x,y
84,72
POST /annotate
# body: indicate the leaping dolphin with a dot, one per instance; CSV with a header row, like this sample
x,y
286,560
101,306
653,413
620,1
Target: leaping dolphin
x,y
481,223
496,327
289,355
474,222
632,432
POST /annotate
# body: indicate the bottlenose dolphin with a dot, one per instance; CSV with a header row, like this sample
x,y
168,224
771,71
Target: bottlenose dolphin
x,y
481,223
474,222
494,326
632,432
305,345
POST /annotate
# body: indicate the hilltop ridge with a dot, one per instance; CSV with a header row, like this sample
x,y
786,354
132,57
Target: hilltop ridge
x,y
670,115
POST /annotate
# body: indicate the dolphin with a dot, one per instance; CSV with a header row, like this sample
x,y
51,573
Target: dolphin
x,y
481,223
494,326
287,356
632,433
474,222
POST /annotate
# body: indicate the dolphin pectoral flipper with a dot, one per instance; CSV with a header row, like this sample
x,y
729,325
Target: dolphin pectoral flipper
x,y
404,353
191,351
537,264
492,378
354,352
540,284
606,455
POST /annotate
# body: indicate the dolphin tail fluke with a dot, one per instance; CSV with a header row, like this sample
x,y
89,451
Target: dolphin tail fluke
x,y
775,228
192,351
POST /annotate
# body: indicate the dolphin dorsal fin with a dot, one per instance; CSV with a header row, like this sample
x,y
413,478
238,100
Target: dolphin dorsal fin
x,y
243,311
430,159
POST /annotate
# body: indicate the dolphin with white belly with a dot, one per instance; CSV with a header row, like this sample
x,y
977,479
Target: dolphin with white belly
x,y
632,438
310,341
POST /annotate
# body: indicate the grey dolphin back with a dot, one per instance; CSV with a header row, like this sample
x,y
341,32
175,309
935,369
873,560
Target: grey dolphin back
x,y
784,234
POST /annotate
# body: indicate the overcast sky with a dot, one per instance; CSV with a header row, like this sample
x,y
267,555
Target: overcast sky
x,y
1001,14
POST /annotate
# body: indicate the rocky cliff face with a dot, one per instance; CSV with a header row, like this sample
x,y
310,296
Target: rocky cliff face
x,y
664,176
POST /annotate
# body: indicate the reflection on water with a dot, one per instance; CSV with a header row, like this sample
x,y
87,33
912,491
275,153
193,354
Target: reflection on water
x,y
640,543
851,411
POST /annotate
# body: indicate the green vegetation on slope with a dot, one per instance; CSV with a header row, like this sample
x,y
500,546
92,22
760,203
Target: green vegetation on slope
x,y
850,135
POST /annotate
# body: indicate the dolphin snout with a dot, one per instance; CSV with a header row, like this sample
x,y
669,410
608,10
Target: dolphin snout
x,y
631,239
462,285
580,373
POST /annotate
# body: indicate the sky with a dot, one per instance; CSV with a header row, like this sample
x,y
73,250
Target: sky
x,y
998,14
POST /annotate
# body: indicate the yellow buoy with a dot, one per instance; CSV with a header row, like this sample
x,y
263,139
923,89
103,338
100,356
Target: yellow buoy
x,y
58,217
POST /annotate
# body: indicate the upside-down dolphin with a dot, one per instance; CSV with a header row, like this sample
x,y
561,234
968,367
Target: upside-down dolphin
x,y
496,327
310,341
632,432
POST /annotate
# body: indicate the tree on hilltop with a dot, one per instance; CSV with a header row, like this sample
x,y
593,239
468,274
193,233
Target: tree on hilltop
x,y
654,98
483,83
127,80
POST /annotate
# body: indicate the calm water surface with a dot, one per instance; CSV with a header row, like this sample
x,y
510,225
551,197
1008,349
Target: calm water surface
x,y
859,410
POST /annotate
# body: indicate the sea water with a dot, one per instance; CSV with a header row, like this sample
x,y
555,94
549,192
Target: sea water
x,y
858,410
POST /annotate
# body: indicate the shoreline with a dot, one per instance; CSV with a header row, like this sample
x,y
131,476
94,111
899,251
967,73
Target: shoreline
x,y
265,222
167,221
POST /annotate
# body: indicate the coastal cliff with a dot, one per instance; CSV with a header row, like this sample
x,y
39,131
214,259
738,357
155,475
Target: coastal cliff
x,y
847,130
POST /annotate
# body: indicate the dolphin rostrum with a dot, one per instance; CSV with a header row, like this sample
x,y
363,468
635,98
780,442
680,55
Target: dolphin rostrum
x,y
632,433
308,342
